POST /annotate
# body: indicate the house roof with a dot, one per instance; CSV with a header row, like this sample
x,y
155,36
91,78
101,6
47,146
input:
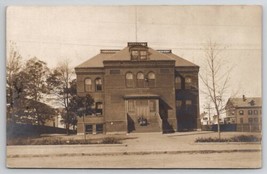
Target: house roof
x,y
124,55
246,102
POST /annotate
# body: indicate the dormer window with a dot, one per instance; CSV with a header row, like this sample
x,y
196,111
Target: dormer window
x,y
143,55
135,54
139,54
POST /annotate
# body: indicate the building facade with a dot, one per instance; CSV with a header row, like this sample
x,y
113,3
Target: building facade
x,y
139,89
245,112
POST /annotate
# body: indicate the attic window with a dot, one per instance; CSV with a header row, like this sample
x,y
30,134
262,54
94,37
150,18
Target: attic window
x,y
139,54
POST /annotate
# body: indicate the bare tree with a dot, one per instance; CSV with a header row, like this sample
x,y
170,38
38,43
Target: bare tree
x,y
59,82
13,82
215,78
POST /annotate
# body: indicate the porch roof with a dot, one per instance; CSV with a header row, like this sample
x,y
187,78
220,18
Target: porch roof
x,y
141,96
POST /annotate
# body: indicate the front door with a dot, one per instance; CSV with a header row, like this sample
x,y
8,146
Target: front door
x,y
142,108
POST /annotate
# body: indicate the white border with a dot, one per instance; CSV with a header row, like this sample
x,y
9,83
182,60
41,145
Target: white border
x,y
5,3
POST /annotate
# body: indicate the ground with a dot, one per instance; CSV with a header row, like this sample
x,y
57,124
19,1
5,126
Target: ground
x,y
141,150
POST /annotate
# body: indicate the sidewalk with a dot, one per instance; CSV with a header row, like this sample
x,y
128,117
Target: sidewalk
x,y
139,144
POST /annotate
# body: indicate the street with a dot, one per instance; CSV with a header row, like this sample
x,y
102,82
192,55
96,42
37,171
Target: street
x,y
144,150
214,160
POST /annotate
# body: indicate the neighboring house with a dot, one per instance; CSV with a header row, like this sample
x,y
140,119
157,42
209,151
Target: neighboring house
x,y
245,112
205,118
139,89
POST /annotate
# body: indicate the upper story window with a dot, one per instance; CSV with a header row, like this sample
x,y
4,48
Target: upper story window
x,y
250,112
151,79
99,108
139,54
188,104
129,80
98,84
88,85
241,112
178,82
143,55
140,80
188,82
255,112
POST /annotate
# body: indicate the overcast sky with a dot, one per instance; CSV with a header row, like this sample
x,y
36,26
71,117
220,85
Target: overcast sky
x,y
78,33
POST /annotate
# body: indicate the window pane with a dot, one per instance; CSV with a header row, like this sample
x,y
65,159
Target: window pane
x,y
129,80
178,84
140,80
98,83
140,75
129,75
135,54
88,85
151,75
99,108
89,128
188,82
143,55
99,128
88,81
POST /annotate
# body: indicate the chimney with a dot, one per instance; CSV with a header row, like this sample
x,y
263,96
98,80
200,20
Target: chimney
x,y
244,98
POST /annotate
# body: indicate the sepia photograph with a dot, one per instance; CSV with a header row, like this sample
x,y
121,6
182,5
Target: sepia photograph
x,y
139,87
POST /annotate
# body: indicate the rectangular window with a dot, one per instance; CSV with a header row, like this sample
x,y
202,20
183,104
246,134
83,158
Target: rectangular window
x,y
178,104
143,55
99,108
188,104
89,129
250,120
152,105
99,128
241,112
131,106
256,120
241,120
250,112
255,112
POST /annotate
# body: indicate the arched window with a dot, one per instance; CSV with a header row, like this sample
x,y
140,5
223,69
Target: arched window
x,y
140,80
178,82
129,80
98,84
188,82
151,79
88,85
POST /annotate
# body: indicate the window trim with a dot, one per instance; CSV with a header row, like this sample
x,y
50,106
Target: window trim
x,y
96,85
128,81
85,85
150,80
176,84
140,81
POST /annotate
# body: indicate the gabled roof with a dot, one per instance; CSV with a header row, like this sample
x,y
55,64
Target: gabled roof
x,y
246,102
125,55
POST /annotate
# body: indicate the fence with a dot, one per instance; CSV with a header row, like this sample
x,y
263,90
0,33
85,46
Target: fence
x,y
233,127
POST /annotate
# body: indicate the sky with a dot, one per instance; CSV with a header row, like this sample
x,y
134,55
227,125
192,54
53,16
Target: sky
x,y
55,33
